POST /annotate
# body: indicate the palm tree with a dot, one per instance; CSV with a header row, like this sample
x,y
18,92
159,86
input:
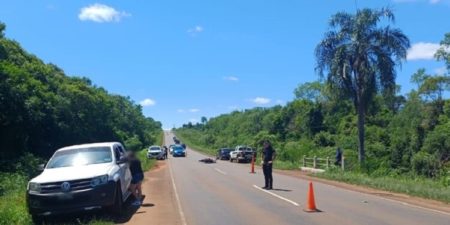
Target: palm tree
x,y
358,58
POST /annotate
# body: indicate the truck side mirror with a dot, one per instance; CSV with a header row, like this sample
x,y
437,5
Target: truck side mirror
x,y
122,160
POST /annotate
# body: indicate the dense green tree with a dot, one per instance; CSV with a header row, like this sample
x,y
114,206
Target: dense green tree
x,y
443,53
42,109
359,58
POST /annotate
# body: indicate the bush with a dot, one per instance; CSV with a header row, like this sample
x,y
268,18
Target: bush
x,y
133,144
425,164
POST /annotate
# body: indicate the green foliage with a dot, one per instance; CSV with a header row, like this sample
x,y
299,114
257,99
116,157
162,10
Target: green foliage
x,y
358,58
443,53
43,109
146,163
12,199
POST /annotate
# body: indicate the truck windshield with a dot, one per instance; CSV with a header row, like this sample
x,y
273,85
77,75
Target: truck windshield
x,y
80,157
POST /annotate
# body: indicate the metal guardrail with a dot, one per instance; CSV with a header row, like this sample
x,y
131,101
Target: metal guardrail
x,y
317,163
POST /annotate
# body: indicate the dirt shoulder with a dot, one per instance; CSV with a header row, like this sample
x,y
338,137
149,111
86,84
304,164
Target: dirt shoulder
x,y
160,204
403,198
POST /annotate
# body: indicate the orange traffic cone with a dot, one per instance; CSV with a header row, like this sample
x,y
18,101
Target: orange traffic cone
x,y
253,165
311,203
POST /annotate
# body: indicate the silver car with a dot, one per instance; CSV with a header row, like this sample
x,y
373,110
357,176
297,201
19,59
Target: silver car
x,y
156,152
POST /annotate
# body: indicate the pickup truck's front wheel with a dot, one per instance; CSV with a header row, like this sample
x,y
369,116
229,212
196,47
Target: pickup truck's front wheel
x,y
37,219
118,202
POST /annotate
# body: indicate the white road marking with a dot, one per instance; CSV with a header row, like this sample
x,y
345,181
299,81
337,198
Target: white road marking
x,y
183,219
277,196
220,171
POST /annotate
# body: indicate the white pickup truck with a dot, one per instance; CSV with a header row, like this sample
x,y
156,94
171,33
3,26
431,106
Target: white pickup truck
x,y
81,177
242,153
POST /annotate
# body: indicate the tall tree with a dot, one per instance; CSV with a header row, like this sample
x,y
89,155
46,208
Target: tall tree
x,y
359,57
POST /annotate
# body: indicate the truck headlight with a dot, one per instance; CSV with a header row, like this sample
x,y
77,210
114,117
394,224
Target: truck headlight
x,y
96,181
35,187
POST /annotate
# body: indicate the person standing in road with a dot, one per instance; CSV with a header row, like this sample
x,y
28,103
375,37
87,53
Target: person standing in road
x,y
166,152
137,176
267,157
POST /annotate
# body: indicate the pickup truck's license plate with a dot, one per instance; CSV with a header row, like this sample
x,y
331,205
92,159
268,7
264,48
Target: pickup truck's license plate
x,y
65,197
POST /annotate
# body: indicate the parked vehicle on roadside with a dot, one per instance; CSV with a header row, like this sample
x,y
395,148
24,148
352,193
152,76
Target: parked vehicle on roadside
x,y
178,150
242,153
155,152
80,178
171,149
224,153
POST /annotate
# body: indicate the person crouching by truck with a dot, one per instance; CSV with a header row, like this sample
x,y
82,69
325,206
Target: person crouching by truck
x,y
267,157
137,176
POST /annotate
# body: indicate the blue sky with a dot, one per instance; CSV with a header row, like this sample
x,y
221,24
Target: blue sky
x,y
187,59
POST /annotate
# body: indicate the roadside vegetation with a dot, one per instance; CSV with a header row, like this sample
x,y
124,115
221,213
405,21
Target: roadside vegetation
x,y
43,109
395,136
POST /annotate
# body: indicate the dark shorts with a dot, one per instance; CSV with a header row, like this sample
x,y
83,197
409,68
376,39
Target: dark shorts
x,y
137,178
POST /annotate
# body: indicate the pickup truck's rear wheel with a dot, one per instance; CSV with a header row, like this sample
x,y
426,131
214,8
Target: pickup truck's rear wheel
x,y
118,202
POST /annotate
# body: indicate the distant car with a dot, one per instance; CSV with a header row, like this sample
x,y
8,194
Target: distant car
x,y
155,152
80,178
177,141
224,153
178,150
242,153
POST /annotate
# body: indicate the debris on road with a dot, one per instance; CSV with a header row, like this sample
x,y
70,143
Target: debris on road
x,y
207,160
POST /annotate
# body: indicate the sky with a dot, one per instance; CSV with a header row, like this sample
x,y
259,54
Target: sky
x,y
182,60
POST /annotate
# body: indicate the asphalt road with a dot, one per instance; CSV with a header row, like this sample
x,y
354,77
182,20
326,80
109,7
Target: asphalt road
x,y
226,193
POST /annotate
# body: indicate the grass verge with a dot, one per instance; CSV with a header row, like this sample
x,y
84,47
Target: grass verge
x,y
147,164
420,187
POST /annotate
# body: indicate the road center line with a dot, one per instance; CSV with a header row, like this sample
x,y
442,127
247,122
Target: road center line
x,y
180,210
277,196
220,171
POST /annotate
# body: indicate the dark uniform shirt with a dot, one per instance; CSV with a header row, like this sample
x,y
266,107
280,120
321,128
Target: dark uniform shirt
x,y
268,154
135,167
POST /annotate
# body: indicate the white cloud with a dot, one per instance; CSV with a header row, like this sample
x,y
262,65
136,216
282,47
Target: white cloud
x,y
261,100
231,78
180,111
441,70
194,110
422,50
147,102
195,30
101,13
280,102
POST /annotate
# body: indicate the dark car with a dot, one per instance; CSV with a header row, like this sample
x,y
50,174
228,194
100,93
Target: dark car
x,y
224,153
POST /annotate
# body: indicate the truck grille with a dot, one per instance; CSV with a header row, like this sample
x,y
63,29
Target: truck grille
x,y
75,185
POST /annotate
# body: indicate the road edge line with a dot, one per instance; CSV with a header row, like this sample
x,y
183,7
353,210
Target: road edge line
x,y
277,196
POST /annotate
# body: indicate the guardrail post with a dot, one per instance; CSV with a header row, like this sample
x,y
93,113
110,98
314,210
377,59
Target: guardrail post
x,y
314,162
328,162
304,160
343,163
